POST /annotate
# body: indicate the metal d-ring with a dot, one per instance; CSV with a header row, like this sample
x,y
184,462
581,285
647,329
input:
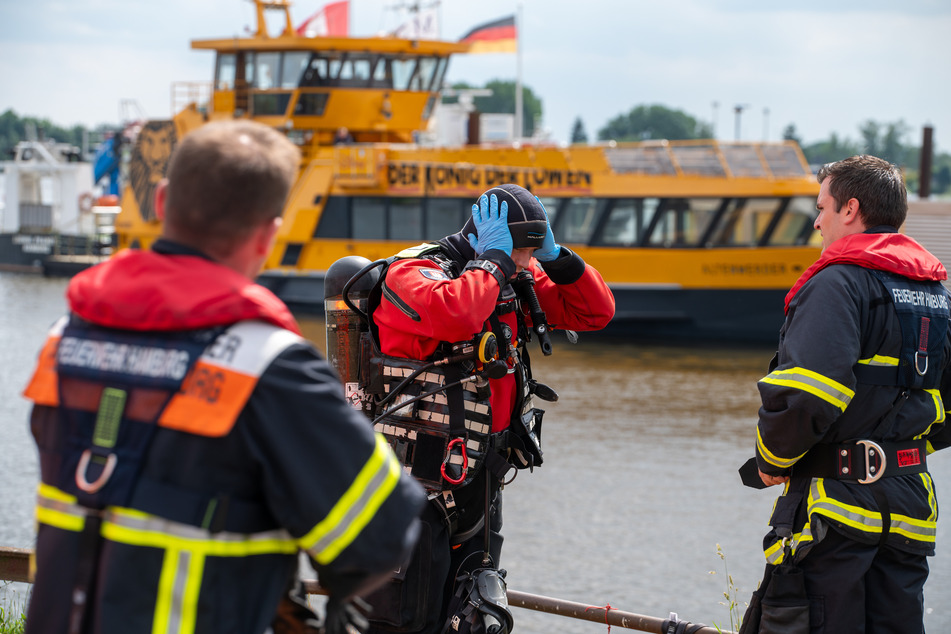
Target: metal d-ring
x,y
871,448
92,487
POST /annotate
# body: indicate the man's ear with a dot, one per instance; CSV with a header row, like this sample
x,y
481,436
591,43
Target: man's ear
x,y
267,235
851,212
161,195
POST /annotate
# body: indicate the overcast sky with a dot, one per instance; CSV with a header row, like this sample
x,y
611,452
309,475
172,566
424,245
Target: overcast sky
x,y
825,66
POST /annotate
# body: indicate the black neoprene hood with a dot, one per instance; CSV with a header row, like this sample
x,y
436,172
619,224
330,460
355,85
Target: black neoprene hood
x,y
526,216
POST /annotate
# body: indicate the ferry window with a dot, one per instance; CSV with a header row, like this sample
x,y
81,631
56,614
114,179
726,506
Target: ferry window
x,y
267,69
444,216
578,222
292,68
552,206
795,225
354,71
423,78
684,221
335,220
311,104
383,73
402,73
271,103
333,70
626,221
225,73
406,219
316,73
369,218
442,66
747,221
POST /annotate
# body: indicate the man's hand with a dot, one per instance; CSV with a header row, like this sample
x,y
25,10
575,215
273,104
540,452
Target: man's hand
x,y
549,249
492,225
770,480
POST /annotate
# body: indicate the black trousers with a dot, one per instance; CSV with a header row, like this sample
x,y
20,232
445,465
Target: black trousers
x,y
438,562
857,588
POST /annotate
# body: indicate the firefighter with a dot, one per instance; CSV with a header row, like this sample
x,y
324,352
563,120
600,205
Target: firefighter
x,y
853,405
192,443
429,299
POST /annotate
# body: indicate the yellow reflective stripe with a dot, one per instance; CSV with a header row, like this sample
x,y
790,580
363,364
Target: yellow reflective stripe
x,y
135,528
59,519
814,383
932,499
354,510
772,458
871,521
920,530
774,554
59,509
854,516
163,602
879,359
52,493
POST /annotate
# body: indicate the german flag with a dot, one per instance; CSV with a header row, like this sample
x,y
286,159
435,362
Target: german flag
x,y
499,36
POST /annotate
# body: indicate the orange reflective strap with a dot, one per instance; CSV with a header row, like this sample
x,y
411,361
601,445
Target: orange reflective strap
x,y
210,400
42,388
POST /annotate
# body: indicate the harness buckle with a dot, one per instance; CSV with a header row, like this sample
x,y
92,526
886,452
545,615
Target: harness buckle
x,y
918,362
465,461
91,487
874,468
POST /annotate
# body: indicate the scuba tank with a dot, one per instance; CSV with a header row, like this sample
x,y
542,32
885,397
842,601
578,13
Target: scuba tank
x,y
347,349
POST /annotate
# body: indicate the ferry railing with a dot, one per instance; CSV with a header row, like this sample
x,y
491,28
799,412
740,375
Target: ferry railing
x,y
15,566
185,93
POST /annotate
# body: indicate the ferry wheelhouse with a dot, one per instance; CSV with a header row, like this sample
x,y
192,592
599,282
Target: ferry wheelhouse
x,y
699,240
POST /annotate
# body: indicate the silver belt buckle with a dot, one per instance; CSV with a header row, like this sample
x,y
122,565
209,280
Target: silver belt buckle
x,y
871,473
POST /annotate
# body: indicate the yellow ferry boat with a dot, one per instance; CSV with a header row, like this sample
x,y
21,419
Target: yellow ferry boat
x,y
699,240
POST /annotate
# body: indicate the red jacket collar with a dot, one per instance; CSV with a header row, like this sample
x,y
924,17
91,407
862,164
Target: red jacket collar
x,y
892,252
144,290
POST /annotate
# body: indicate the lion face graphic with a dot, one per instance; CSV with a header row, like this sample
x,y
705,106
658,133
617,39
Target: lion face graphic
x,y
149,162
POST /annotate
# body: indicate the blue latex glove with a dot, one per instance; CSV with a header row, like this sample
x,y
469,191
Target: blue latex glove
x,y
549,249
492,224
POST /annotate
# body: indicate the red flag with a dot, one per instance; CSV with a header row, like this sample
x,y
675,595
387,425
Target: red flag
x,y
499,36
333,20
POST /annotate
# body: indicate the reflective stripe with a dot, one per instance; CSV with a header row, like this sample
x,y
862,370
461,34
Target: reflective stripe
x,y
59,509
813,383
186,549
854,516
176,607
356,507
880,360
772,458
871,521
128,526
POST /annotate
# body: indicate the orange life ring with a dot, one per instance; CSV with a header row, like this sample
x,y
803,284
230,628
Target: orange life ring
x,y
85,202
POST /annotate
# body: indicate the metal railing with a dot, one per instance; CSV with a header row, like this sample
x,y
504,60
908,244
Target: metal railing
x,y
15,566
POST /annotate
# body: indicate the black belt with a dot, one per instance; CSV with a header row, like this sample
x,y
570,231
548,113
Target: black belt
x,y
864,461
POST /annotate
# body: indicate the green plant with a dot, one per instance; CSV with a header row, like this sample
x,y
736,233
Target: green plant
x,y
730,594
12,615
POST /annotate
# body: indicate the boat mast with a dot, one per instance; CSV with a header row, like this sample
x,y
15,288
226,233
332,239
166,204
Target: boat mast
x,y
263,5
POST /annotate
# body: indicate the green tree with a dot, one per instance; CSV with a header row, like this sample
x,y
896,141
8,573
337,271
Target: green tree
x,y
832,149
790,134
578,134
654,122
502,100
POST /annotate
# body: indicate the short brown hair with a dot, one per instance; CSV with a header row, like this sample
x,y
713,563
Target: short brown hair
x,y
875,183
225,179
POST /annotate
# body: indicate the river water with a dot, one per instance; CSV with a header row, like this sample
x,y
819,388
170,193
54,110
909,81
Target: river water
x,y
638,504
